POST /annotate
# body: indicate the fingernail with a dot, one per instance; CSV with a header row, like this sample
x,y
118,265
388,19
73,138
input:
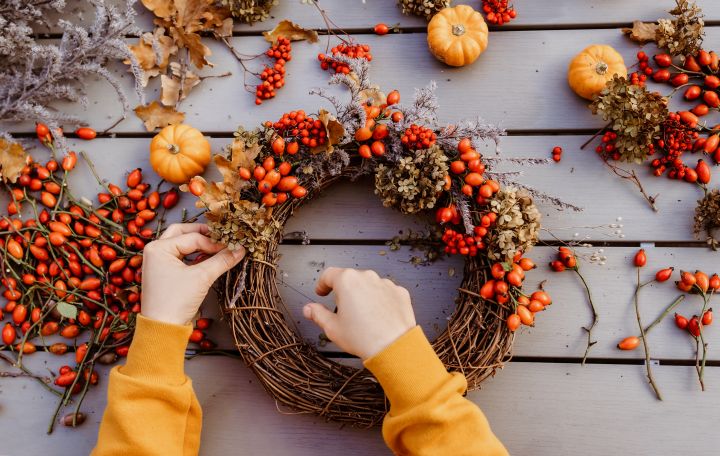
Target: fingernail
x,y
238,253
307,312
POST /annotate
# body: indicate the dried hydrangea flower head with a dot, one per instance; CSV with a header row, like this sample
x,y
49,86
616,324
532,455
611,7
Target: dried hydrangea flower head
x,y
250,11
423,8
414,182
707,217
517,226
684,34
634,113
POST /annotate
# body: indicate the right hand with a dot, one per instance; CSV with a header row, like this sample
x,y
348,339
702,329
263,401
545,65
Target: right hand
x,y
371,312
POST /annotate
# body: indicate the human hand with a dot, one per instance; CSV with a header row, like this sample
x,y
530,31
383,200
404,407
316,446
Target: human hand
x,y
173,291
371,312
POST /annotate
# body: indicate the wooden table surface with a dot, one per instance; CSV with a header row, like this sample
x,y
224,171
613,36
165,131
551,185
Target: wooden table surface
x,y
543,402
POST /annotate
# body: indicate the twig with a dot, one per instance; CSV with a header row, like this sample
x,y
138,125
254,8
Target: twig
x,y
644,340
632,176
665,313
595,135
588,329
29,374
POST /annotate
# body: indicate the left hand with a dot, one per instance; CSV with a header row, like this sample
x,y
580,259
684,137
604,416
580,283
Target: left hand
x,y
173,291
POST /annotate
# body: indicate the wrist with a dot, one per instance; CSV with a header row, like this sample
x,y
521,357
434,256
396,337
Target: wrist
x,y
379,344
165,316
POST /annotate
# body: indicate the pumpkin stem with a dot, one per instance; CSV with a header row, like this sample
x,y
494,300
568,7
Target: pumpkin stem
x,y
601,68
458,29
173,148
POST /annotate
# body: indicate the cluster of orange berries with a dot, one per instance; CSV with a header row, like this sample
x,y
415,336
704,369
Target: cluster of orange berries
x,y
417,137
274,182
295,128
273,77
465,244
470,168
353,51
373,133
197,336
638,78
498,12
566,259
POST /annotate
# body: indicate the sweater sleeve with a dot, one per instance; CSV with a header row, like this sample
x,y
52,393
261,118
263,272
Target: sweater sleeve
x,y
152,408
428,413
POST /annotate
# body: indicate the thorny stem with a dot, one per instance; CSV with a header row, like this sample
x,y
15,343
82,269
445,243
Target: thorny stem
x,y
644,340
701,367
588,329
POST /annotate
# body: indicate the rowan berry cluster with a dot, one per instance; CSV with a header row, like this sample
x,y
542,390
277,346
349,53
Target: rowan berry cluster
x,y
273,77
353,51
296,128
498,12
417,137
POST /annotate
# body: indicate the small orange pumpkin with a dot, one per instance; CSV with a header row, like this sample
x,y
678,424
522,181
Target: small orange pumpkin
x,y
592,68
458,35
179,152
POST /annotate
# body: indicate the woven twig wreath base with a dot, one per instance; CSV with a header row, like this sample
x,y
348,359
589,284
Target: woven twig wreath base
x,y
297,376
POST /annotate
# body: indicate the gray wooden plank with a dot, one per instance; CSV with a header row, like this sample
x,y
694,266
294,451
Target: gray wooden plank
x,y
534,408
352,211
527,91
362,15
558,332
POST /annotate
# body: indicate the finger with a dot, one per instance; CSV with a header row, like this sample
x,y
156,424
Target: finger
x,y
321,316
185,244
176,229
327,281
220,263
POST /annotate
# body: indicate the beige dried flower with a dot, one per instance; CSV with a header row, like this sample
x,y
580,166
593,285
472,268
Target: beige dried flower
x,y
250,11
244,223
684,34
517,226
413,183
707,217
423,8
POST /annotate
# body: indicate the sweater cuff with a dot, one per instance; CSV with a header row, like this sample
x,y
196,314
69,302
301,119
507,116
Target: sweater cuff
x,y
409,370
157,352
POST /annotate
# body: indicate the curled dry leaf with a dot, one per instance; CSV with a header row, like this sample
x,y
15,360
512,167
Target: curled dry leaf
x,y
372,96
170,93
161,8
153,51
240,157
334,129
155,115
641,32
13,159
291,31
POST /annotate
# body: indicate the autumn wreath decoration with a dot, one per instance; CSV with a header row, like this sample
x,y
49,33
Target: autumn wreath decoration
x,y
419,167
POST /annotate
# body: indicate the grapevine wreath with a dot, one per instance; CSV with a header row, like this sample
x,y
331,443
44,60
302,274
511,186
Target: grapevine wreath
x,y
419,167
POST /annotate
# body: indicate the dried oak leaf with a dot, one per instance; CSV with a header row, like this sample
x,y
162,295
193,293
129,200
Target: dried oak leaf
x,y
161,8
334,129
13,159
291,31
641,32
155,115
170,93
153,52
192,17
240,157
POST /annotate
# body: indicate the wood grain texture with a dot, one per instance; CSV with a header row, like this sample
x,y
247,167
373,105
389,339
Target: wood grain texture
x,y
534,408
361,16
519,83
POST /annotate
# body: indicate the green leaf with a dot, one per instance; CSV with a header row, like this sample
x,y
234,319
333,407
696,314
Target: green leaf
x,y
67,310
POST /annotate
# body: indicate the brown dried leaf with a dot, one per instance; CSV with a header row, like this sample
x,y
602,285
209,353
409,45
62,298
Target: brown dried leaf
x,y
155,115
170,93
241,157
334,129
150,61
161,8
372,96
641,32
13,159
291,31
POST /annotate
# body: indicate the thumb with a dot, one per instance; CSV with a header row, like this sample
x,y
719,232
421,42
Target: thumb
x,y
221,262
321,316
